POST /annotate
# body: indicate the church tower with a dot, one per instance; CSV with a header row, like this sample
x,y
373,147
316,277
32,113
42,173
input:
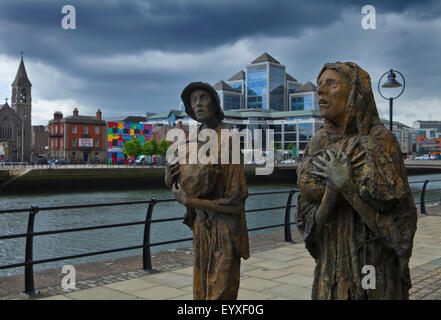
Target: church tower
x,y
22,106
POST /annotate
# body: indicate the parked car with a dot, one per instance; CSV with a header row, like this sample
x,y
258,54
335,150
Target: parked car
x,y
41,161
426,157
288,161
61,162
143,159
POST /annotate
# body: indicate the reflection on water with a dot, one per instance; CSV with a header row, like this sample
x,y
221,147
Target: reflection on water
x,y
49,246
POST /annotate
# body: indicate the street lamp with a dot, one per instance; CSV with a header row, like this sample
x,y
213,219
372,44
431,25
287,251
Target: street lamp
x,y
391,83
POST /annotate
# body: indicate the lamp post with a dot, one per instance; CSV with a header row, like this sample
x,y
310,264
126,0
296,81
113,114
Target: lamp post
x,y
391,83
22,137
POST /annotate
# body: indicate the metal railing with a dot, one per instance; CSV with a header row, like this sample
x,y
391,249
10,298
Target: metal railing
x,y
29,261
423,200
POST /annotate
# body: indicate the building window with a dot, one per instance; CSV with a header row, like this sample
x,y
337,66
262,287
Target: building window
x,y
56,129
114,143
115,130
86,129
257,87
56,143
97,130
97,143
126,131
136,131
74,142
96,156
6,130
74,156
61,143
62,130
74,129
52,143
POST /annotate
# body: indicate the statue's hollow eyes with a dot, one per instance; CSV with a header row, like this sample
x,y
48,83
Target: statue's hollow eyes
x,y
330,83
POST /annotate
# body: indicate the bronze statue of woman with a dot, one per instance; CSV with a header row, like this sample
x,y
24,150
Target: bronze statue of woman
x,y
355,207
214,195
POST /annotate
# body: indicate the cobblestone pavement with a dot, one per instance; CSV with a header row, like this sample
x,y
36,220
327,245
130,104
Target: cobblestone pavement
x,y
275,270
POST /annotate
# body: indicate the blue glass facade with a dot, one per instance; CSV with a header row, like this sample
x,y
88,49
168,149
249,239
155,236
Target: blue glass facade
x,y
257,87
231,101
305,131
236,86
277,88
292,88
301,103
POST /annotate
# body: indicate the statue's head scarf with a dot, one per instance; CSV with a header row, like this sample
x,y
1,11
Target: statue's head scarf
x,y
361,110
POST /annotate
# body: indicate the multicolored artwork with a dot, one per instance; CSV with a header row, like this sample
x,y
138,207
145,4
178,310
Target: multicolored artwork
x,y
119,133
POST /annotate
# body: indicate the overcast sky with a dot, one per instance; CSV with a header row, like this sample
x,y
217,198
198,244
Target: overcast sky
x,y
129,57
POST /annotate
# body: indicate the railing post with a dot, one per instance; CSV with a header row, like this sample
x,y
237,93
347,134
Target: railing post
x,y
288,237
423,195
29,264
146,255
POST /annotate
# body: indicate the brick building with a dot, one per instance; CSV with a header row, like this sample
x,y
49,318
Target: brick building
x,y
78,139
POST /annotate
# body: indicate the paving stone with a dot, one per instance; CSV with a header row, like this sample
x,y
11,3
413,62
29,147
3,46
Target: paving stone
x,y
275,256
188,296
160,293
296,279
290,291
185,271
58,297
305,270
245,294
100,293
277,265
256,284
131,285
171,279
265,273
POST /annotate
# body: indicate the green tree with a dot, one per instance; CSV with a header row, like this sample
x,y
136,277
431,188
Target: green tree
x,y
132,147
278,146
150,147
163,146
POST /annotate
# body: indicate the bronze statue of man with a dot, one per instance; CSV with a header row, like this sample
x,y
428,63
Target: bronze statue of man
x,y
355,207
214,195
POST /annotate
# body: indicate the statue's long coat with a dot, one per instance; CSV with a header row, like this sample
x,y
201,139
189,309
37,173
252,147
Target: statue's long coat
x,y
345,244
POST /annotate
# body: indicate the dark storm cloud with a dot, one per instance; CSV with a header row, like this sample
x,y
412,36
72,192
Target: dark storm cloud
x,y
122,27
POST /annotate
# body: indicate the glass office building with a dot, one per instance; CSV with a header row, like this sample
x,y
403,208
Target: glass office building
x,y
276,87
230,98
304,98
257,87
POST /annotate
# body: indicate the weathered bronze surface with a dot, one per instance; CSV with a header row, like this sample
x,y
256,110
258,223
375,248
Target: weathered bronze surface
x,y
355,206
214,195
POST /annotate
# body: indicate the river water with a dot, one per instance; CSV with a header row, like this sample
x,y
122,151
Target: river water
x,y
50,246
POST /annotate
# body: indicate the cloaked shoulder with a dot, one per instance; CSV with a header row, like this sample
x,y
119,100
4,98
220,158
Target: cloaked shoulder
x,y
317,142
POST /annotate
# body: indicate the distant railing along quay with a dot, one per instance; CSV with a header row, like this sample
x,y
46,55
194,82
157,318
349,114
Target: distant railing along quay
x,y
146,245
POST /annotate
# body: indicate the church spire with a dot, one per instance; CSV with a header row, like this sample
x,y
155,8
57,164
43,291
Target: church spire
x,y
21,78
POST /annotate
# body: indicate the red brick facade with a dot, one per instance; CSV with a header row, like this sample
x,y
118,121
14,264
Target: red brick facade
x,y
77,139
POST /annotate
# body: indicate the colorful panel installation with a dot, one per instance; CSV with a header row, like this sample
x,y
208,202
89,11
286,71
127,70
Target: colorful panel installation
x,y
119,133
